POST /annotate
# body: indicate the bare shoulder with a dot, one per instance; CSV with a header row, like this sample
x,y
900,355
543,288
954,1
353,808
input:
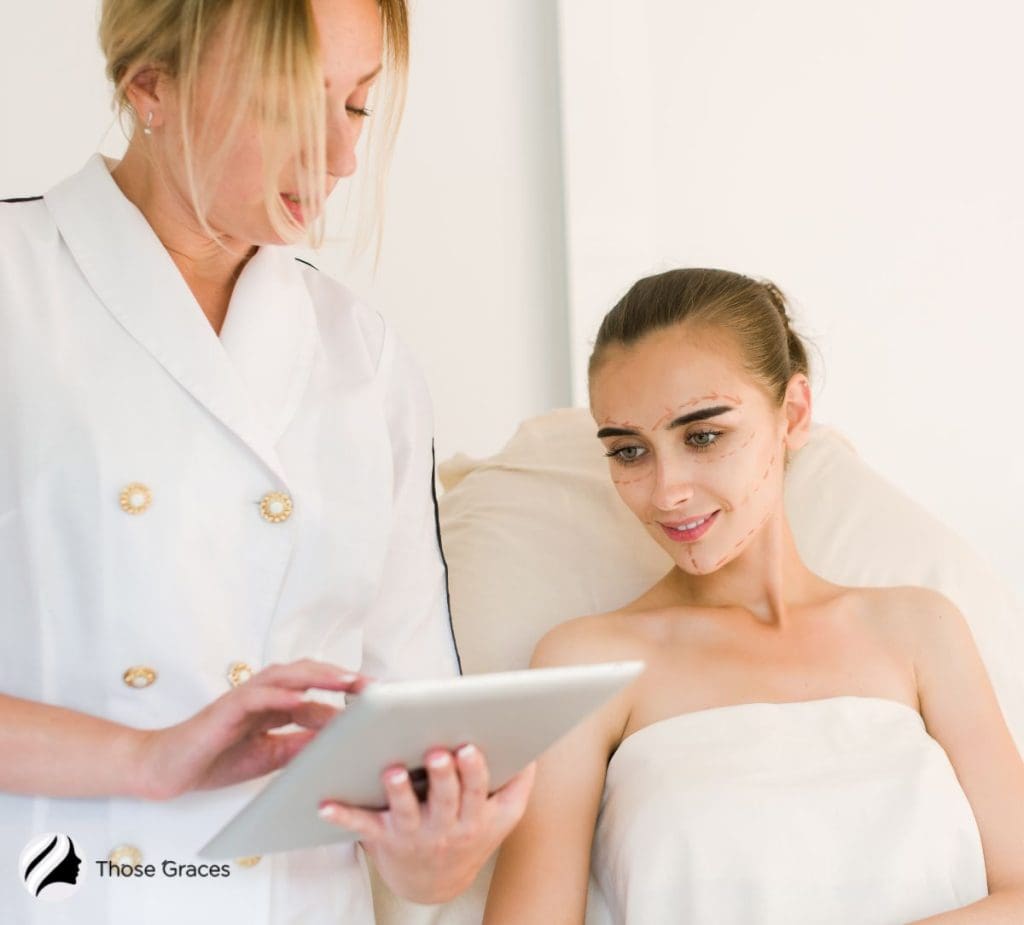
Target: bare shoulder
x,y
596,638
917,618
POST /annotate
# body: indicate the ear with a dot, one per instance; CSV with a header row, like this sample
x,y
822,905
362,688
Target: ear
x,y
797,406
145,91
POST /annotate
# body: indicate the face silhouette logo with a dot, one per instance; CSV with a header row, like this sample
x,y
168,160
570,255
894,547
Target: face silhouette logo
x,y
50,867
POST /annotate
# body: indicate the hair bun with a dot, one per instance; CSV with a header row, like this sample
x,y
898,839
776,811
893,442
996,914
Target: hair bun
x,y
777,298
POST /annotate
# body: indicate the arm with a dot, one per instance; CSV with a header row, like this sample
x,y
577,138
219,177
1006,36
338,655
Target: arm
x,y
428,853
96,757
961,712
544,866
52,751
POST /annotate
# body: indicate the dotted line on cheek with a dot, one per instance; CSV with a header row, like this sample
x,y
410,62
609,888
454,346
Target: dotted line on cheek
x,y
738,449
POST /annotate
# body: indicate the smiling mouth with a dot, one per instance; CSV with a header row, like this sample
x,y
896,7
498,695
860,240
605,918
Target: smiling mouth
x,y
688,531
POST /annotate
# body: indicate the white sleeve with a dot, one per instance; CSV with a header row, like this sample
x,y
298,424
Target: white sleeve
x,y
408,632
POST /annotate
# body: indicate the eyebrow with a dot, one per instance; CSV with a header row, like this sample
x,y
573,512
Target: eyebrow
x,y
702,415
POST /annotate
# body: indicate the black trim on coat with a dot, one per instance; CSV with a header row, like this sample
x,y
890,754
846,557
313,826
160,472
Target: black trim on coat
x,y
307,263
23,199
440,546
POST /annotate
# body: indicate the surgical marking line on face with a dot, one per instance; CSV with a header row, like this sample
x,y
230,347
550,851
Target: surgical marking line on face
x,y
626,425
743,446
764,478
612,428
631,431
743,541
711,396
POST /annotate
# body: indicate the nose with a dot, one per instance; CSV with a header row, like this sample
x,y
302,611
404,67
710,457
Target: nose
x,y
342,137
673,485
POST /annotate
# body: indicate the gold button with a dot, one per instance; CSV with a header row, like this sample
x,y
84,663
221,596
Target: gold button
x,y
136,498
239,673
125,854
276,507
249,862
139,676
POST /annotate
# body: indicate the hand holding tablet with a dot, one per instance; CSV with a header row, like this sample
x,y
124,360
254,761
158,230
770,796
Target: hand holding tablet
x,y
511,717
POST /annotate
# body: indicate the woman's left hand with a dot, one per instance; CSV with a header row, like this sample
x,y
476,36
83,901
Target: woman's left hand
x,y
431,852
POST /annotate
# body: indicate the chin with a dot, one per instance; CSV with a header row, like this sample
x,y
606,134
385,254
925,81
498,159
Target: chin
x,y
696,560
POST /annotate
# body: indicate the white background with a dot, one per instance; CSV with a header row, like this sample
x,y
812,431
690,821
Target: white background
x,y
867,158
864,156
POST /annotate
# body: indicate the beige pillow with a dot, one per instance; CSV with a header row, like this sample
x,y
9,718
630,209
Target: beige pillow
x,y
536,535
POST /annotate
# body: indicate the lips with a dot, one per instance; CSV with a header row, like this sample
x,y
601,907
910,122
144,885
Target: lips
x,y
689,530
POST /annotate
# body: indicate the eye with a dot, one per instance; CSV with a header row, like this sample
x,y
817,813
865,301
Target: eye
x,y
703,439
361,111
626,454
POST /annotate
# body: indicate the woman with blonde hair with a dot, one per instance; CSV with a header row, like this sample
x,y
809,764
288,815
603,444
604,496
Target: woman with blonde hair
x,y
216,491
796,751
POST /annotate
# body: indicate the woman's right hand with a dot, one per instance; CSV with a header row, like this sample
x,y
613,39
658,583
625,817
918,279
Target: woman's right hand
x,y
231,740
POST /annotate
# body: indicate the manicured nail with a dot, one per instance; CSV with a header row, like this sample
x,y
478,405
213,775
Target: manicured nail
x,y
438,760
347,677
327,811
468,751
398,776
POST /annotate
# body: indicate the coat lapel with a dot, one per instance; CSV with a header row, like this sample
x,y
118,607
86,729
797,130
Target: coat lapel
x,y
270,336
252,383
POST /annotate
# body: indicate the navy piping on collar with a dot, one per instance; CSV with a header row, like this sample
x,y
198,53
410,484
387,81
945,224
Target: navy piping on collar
x,y
440,547
307,263
23,199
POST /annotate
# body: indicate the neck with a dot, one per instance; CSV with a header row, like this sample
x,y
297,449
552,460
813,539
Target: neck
x,y
210,267
768,578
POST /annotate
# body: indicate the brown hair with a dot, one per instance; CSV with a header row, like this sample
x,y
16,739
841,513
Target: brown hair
x,y
754,312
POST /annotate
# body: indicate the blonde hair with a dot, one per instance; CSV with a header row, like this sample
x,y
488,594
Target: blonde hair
x,y
275,75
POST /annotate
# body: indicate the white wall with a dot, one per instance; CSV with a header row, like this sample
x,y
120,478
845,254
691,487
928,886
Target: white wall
x,y
54,102
867,157
473,267
472,272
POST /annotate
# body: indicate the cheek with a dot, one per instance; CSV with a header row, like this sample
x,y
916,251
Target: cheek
x,y
767,479
633,487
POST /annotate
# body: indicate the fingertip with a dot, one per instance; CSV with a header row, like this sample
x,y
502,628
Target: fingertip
x,y
329,810
469,754
438,760
395,776
363,682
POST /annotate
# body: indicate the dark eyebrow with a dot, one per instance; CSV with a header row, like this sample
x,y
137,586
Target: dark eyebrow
x,y
680,421
701,415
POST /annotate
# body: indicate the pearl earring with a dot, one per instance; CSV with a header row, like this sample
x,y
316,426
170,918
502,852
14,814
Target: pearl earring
x,y
147,129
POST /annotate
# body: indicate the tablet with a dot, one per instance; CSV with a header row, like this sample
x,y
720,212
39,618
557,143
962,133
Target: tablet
x,y
511,716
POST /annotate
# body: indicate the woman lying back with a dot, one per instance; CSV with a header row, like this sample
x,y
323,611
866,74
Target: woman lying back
x,y
797,751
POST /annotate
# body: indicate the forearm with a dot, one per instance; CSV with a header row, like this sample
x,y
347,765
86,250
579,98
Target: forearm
x,y
1004,907
53,751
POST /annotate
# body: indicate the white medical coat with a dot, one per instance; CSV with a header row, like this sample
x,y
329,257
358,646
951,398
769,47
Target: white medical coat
x,y
111,376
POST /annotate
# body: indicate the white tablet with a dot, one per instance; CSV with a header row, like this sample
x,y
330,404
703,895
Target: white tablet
x,y
511,716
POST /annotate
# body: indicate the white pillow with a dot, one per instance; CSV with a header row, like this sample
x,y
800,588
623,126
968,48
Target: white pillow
x,y
536,535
